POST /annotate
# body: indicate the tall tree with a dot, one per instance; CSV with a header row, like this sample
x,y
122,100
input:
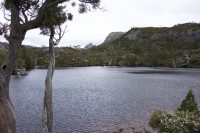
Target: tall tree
x,y
23,15
55,17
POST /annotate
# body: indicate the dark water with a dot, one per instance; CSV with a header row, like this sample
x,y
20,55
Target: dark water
x,y
96,99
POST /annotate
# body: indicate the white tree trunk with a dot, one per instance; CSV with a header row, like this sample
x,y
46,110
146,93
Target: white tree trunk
x,y
47,115
173,57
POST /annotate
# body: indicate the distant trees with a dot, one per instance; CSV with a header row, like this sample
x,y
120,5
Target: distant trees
x,y
26,55
23,16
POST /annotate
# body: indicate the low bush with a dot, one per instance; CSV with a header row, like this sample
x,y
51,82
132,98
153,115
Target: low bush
x,y
185,120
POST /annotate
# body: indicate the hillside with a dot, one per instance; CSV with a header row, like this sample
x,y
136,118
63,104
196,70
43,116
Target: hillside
x,y
153,46
177,46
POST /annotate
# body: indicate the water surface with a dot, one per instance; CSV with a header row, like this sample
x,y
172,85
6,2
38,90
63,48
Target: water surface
x,y
95,99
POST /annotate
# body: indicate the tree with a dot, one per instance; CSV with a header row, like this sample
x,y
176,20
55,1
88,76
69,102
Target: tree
x,y
55,16
23,15
189,104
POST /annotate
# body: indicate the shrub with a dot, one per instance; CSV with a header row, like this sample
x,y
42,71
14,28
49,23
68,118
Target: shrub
x,y
189,103
185,120
175,122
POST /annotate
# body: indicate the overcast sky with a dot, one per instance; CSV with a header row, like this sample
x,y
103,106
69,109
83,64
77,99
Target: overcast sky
x,y
121,15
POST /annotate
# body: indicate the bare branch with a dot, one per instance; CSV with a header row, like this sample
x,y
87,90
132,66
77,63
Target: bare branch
x,y
35,23
54,2
25,16
8,19
5,14
103,9
4,29
60,34
21,20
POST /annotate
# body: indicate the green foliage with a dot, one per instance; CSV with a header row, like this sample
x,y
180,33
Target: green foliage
x,y
54,16
175,122
3,51
27,57
155,119
191,25
2,56
21,63
189,104
185,120
7,4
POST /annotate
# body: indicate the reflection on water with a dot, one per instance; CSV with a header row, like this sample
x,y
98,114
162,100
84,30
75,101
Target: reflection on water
x,y
154,72
93,99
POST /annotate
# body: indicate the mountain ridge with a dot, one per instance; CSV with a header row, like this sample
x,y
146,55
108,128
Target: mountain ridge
x,y
177,46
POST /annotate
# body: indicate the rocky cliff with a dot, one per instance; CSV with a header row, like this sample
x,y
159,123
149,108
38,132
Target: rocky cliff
x,y
175,46
187,34
187,31
88,46
113,36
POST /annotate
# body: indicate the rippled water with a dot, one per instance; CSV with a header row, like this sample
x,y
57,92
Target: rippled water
x,y
95,99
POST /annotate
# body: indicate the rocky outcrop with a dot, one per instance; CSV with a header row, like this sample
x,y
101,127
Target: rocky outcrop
x,y
113,36
133,34
90,45
155,36
21,72
191,35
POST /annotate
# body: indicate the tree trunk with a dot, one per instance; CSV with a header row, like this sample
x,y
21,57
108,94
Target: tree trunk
x,y
47,116
186,59
7,113
173,57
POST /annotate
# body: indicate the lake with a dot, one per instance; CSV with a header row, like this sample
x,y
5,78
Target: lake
x,y
98,99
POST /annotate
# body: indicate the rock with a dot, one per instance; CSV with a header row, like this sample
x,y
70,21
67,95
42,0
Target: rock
x,y
155,36
133,34
90,45
21,72
113,36
173,34
194,34
190,34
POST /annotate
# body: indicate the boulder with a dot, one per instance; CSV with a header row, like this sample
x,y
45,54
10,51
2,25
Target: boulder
x,y
113,36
